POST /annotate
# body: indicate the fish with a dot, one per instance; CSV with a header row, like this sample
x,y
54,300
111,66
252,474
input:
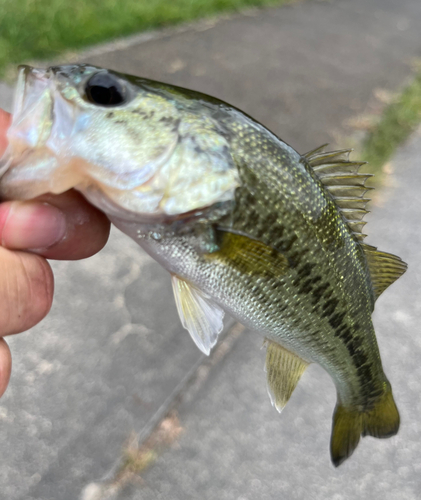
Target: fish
x,y
244,224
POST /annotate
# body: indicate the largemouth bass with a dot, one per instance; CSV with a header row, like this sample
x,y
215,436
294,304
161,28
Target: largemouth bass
x,y
244,223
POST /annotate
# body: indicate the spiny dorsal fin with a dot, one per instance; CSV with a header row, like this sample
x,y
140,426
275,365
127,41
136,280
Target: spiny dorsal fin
x,y
341,178
199,315
385,268
284,370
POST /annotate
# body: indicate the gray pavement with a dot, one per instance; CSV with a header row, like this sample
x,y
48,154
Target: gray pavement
x,y
111,357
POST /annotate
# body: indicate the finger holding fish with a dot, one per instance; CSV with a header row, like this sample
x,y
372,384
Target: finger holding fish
x,y
57,227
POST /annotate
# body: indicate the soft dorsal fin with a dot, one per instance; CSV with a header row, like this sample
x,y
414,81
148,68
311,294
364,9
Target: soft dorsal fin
x,y
198,314
284,370
385,268
341,178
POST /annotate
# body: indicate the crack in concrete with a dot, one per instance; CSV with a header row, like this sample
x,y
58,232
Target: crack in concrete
x,y
112,483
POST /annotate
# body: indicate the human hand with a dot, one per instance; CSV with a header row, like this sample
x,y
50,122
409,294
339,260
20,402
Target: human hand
x,y
60,227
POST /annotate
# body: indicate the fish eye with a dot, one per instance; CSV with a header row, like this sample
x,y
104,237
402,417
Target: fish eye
x,y
104,89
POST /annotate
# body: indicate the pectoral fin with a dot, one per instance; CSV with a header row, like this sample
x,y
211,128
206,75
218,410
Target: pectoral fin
x,y
284,370
249,256
198,314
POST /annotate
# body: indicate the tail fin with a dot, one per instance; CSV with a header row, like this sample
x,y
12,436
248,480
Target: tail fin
x,y
381,421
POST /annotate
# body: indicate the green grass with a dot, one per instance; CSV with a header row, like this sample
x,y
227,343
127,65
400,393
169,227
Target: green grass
x,y
398,120
39,29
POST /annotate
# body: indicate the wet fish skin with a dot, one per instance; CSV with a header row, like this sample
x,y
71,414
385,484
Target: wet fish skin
x,y
257,230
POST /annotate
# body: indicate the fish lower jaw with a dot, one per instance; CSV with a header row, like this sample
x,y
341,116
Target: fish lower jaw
x,y
34,173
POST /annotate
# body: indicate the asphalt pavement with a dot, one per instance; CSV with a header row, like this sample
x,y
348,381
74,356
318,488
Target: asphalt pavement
x,y
112,359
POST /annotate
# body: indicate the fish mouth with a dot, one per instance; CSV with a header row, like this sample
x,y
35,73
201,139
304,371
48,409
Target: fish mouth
x,y
29,167
25,74
33,103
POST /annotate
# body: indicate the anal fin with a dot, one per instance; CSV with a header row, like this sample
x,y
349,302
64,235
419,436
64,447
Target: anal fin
x,y
284,370
198,314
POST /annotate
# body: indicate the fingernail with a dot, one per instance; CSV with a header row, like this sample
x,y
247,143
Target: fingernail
x,y
30,225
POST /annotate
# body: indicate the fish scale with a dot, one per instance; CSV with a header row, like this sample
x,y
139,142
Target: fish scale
x,y
259,229
244,223
360,358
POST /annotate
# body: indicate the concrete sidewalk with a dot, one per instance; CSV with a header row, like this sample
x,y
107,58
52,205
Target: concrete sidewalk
x,y
112,357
